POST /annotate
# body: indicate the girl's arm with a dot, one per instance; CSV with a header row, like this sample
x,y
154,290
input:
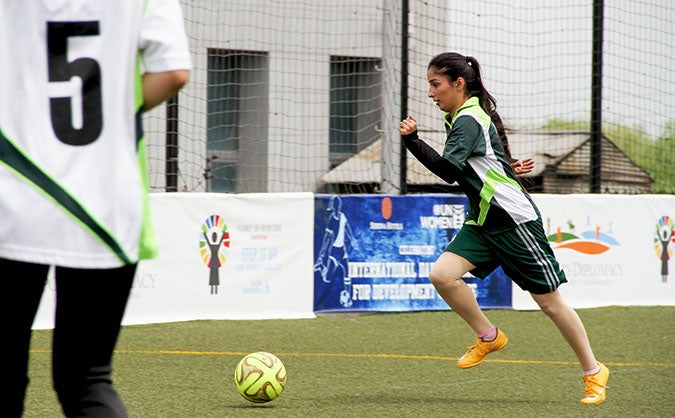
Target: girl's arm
x,y
431,159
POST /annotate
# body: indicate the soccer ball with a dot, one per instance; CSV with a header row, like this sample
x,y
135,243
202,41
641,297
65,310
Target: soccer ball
x,y
260,377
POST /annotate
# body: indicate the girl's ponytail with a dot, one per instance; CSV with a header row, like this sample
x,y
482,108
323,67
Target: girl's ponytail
x,y
454,65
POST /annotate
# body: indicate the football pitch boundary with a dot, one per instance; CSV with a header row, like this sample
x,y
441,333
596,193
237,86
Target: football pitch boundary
x,y
379,356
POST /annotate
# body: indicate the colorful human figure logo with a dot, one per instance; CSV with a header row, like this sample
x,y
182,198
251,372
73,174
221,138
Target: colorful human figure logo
x,y
214,243
664,236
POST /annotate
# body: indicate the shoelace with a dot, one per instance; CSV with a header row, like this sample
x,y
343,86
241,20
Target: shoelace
x,y
470,348
592,387
476,346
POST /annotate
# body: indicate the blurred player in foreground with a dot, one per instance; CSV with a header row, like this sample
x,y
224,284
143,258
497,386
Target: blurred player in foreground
x,y
504,226
75,79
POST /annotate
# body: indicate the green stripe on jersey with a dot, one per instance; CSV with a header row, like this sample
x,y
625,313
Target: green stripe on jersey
x,y
23,167
492,180
148,244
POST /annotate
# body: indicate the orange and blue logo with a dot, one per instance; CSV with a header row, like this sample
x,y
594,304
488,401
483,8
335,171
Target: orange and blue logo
x,y
663,238
386,208
591,241
214,243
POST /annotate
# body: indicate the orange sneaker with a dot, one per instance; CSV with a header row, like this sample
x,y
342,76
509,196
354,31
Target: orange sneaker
x,y
596,386
477,352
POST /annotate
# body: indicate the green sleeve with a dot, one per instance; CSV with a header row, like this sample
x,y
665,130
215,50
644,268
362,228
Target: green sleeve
x,y
462,141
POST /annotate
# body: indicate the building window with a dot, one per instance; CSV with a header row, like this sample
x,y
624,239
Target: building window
x,y
237,120
355,92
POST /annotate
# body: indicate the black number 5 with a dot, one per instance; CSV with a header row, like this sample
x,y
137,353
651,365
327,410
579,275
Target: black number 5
x,y
88,70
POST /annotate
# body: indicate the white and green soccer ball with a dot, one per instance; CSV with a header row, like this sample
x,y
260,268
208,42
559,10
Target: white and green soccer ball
x,y
260,377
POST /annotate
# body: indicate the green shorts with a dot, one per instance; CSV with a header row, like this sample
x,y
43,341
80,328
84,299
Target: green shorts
x,y
523,252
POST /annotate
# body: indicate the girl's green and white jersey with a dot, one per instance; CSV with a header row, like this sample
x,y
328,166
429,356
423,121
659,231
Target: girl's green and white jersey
x,y
496,199
73,179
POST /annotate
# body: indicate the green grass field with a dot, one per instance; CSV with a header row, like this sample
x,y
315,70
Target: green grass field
x,y
386,365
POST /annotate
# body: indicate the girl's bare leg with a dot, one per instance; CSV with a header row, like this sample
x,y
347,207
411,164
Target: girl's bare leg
x,y
446,276
568,322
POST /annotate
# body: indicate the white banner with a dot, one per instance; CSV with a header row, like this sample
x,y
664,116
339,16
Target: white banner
x,y
222,256
250,256
615,249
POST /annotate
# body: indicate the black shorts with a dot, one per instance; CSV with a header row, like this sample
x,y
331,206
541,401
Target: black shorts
x,y
523,252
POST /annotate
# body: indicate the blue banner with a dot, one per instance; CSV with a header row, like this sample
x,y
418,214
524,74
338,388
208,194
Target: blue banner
x,y
374,253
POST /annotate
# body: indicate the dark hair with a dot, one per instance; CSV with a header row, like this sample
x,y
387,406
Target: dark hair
x,y
454,65
501,131
526,182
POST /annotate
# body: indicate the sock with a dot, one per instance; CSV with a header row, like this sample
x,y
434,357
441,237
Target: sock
x,y
489,334
592,371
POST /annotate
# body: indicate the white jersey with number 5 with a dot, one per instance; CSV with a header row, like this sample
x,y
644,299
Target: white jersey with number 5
x,y
73,185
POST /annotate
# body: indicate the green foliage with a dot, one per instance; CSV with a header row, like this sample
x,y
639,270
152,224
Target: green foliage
x,y
656,156
668,132
556,125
